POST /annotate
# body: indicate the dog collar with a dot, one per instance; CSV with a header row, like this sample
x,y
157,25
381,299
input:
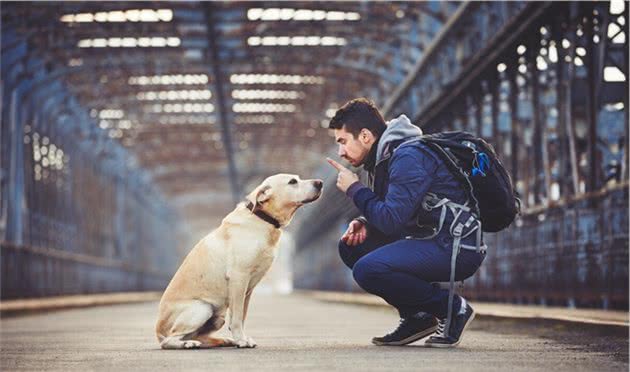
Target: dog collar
x,y
264,216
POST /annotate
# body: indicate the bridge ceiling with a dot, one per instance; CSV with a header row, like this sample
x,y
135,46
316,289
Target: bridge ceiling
x,y
145,73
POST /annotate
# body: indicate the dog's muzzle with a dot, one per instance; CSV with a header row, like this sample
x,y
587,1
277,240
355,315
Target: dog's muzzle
x,y
309,200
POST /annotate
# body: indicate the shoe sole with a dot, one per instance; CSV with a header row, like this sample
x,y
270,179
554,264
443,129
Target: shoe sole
x,y
446,346
408,340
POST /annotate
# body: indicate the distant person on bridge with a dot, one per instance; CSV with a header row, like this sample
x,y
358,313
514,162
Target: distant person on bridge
x,y
398,249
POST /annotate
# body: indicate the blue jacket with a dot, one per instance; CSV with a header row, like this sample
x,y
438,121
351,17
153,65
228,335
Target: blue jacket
x,y
400,179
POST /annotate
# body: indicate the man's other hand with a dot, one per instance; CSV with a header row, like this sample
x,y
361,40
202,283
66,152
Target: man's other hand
x,y
345,178
355,234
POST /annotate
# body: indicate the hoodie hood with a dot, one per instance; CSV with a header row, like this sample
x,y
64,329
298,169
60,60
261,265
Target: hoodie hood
x,y
397,129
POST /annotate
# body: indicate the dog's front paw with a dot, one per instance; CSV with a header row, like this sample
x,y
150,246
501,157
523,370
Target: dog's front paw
x,y
192,344
245,342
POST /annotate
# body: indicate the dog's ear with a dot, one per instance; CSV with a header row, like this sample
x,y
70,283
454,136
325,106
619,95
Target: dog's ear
x,y
263,194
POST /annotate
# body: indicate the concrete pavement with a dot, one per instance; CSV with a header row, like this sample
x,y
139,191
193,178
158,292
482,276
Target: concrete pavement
x,y
299,332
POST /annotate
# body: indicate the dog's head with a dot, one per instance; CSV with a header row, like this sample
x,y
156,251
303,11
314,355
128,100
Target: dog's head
x,y
282,194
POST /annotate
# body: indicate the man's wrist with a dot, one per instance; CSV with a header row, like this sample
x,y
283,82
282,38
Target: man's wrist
x,y
354,188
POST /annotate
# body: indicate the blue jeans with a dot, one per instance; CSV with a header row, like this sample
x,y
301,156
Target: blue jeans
x,y
402,271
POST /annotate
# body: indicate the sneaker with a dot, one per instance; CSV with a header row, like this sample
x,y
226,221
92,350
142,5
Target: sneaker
x,y
409,330
459,323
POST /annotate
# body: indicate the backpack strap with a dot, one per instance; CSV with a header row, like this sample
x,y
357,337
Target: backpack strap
x,y
458,230
451,164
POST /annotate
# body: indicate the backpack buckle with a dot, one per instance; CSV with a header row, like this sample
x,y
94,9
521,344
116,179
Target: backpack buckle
x,y
458,230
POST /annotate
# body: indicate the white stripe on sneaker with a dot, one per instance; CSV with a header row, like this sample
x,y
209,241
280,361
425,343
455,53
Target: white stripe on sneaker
x,y
462,307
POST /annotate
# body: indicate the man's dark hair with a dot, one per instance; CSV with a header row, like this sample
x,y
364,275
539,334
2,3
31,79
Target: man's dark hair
x,y
358,114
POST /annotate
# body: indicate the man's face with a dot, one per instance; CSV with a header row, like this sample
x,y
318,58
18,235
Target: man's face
x,y
354,150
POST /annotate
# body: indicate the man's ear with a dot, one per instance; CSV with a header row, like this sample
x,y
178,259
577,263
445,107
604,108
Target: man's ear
x,y
263,194
365,135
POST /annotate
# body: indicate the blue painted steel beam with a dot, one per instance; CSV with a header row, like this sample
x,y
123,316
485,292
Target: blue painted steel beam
x,y
460,62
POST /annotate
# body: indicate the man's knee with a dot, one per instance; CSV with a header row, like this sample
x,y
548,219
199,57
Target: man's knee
x,y
346,254
367,273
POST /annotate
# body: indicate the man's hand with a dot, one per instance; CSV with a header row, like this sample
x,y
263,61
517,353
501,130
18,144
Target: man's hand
x,y
355,234
345,178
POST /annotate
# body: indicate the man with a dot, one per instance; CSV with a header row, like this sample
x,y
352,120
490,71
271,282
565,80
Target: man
x,y
401,246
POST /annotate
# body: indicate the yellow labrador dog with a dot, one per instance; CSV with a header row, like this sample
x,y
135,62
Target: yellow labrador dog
x,y
222,270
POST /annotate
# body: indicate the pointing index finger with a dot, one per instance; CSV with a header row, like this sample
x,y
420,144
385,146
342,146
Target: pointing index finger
x,y
337,166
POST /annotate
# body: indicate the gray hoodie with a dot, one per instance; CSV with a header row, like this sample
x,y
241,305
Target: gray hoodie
x,y
397,129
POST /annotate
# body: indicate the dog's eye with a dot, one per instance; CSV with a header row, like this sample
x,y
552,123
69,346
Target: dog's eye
x,y
293,182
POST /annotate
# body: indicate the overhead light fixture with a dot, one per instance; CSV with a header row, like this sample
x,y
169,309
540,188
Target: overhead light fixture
x,y
186,119
263,107
175,79
131,15
130,42
125,124
254,119
111,114
115,133
275,79
296,41
267,94
291,14
174,95
180,108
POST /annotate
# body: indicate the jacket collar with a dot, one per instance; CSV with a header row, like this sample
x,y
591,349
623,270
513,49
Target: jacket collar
x,y
370,160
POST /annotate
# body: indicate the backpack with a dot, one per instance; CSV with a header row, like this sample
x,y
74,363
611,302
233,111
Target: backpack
x,y
475,164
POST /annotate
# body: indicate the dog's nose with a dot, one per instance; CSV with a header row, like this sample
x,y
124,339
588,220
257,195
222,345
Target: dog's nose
x,y
318,184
